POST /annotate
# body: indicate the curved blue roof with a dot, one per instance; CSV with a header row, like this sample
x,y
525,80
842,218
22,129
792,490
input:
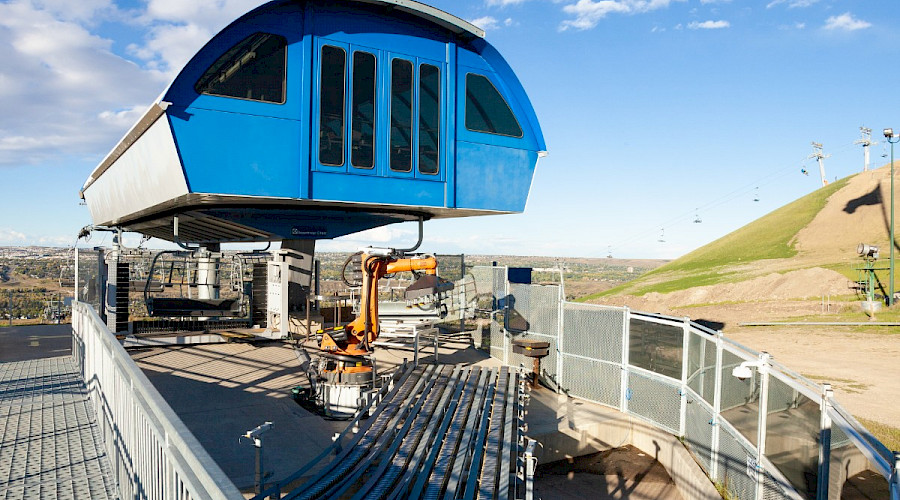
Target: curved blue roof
x,y
315,119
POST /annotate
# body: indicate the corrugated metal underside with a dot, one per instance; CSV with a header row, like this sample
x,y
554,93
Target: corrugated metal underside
x,y
198,227
205,218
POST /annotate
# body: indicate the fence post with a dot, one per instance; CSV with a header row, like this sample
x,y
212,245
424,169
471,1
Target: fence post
x,y
717,408
685,344
824,443
763,371
623,390
506,317
560,328
895,477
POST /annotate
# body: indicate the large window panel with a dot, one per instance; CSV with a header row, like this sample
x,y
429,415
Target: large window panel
x,y
331,106
429,119
401,115
362,135
486,110
254,69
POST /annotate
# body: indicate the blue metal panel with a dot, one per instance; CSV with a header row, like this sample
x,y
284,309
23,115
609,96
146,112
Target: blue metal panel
x,y
230,153
512,89
527,141
393,32
381,190
493,177
284,20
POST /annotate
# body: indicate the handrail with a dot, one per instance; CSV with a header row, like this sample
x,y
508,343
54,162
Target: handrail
x,y
832,414
197,472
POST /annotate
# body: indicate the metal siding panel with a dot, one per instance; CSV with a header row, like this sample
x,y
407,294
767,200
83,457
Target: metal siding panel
x,y
148,173
231,153
493,178
384,190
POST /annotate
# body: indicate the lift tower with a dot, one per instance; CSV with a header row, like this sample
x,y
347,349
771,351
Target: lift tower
x,y
865,141
817,154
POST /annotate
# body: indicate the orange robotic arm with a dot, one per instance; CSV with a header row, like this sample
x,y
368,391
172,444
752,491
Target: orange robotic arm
x,y
357,336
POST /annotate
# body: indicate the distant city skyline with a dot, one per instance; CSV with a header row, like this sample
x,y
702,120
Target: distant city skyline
x,y
656,113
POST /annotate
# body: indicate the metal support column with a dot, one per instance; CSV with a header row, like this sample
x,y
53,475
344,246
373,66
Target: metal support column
x,y
685,344
717,408
824,442
623,390
763,371
255,437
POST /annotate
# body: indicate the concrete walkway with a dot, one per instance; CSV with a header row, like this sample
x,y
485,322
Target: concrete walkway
x,y
50,444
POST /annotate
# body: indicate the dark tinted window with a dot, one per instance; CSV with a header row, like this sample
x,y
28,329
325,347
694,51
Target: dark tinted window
x,y
253,69
331,106
486,110
401,115
656,347
362,135
429,118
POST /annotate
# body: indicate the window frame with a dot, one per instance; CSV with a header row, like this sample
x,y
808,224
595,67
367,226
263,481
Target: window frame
x,y
375,106
465,99
413,144
344,96
440,117
284,80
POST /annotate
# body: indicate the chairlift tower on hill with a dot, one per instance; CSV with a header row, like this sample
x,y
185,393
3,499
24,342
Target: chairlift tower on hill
x,y
865,141
817,154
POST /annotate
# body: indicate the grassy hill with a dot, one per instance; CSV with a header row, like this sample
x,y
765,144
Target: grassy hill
x,y
772,236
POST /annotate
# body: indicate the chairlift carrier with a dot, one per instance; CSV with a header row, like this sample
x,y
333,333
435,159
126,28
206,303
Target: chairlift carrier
x,y
316,119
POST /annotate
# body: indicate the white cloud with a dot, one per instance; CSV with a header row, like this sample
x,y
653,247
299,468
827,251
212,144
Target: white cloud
x,y
486,23
709,25
845,22
589,12
504,3
55,79
9,236
704,2
792,4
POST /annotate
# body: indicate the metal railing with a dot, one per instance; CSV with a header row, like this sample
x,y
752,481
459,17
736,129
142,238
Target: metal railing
x,y
153,454
758,429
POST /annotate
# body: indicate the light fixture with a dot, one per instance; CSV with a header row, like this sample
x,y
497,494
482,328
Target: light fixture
x,y
866,250
744,372
889,132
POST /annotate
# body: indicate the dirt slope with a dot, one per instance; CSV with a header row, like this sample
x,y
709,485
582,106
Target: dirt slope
x,y
861,363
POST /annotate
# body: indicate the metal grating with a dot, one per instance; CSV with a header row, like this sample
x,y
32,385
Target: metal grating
x,y
698,430
702,367
773,489
534,308
592,331
50,443
733,466
655,400
592,380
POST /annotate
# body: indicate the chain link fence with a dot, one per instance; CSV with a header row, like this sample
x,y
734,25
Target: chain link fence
x,y
759,430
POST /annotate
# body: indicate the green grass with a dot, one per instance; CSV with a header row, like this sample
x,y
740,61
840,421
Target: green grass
x,y
769,237
888,435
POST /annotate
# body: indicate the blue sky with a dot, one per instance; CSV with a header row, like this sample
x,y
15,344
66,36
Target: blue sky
x,y
654,111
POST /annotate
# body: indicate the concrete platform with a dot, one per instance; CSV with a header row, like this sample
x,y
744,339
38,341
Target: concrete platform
x,y
568,428
50,444
220,391
22,343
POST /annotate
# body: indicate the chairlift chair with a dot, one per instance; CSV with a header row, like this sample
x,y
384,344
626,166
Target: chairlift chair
x,y
178,271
